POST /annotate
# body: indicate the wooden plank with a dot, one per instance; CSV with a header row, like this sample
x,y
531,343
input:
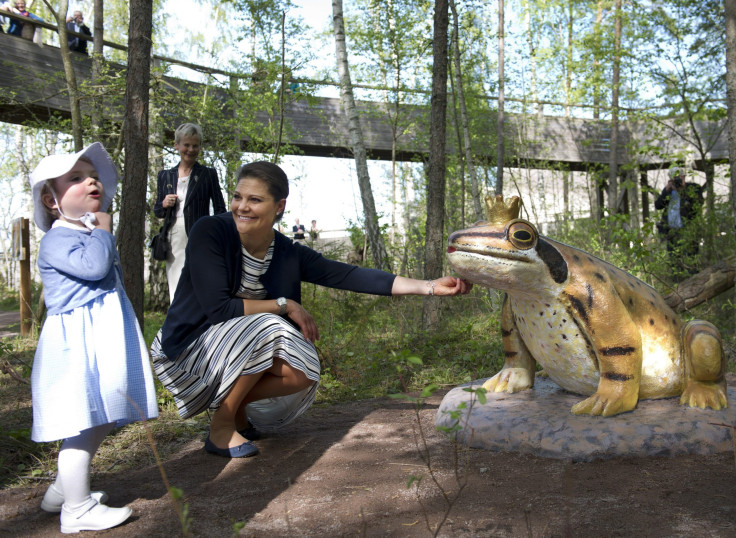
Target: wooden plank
x,y
32,86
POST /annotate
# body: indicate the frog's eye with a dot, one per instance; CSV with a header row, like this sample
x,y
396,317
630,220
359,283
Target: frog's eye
x,y
522,235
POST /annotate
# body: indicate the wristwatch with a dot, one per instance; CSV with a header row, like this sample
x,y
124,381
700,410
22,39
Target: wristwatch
x,y
281,302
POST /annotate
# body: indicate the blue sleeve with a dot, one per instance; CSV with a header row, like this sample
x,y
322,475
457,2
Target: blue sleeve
x,y
80,255
320,270
211,271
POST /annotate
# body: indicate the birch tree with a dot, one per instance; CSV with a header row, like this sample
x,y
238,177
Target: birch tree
x,y
501,101
613,162
464,122
71,77
373,232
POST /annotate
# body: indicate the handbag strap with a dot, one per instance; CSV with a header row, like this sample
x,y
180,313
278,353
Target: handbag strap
x,y
169,219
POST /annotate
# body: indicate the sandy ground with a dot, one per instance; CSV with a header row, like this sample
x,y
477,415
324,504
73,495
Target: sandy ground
x,y
343,471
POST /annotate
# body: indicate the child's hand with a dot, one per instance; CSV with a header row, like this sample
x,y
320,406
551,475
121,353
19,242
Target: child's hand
x,y
104,221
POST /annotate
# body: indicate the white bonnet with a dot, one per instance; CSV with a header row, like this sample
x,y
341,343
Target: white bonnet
x,y
54,166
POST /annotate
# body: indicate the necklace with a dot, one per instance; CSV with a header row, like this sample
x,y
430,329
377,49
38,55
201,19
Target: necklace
x,y
181,171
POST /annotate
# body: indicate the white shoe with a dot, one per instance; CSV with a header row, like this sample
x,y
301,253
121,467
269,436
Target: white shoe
x,y
53,499
92,516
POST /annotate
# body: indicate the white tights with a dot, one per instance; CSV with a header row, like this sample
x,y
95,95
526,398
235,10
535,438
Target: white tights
x,y
72,478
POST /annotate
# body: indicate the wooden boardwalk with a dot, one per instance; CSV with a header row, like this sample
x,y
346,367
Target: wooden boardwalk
x,y
32,88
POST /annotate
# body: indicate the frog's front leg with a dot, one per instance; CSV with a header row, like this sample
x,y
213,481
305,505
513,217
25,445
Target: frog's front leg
x,y
617,348
518,370
705,382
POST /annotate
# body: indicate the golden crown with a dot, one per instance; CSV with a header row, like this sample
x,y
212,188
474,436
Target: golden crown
x,y
499,211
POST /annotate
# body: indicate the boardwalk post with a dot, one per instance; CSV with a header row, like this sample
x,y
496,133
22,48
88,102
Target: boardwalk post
x,y
22,253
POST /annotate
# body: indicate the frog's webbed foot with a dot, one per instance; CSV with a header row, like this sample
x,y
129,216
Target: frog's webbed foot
x,y
704,394
605,405
510,380
705,385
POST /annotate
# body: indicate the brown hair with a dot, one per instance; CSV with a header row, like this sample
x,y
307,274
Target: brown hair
x,y
46,190
272,175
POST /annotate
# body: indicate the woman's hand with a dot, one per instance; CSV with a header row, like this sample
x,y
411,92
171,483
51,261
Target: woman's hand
x,y
169,200
449,285
303,319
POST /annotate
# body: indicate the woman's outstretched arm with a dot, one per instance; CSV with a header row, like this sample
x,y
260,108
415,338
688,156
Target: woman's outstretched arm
x,y
443,286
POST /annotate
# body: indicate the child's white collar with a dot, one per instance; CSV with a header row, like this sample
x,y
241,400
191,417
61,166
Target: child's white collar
x,y
58,223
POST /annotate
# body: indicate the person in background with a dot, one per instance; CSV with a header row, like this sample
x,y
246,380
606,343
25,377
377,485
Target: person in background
x,y
313,231
186,190
298,230
681,202
91,371
237,340
75,23
19,28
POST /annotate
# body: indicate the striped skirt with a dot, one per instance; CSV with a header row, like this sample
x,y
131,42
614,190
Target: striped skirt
x,y
203,374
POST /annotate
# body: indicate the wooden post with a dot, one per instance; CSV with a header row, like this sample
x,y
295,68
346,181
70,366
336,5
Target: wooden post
x,y
22,253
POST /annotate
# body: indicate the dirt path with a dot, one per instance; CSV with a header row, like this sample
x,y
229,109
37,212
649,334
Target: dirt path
x,y
343,471
9,323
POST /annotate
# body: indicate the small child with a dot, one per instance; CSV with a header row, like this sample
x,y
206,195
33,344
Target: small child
x,y
91,371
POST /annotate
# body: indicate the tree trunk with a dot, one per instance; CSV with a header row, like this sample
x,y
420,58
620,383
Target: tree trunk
x,y
644,184
708,283
613,162
97,49
133,203
730,6
375,241
464,122
158,287
69,74
532,58
434,248
710,211
501,102
597,76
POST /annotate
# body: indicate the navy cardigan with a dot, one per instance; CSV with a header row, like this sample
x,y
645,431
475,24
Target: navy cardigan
x,y
203,187
212,273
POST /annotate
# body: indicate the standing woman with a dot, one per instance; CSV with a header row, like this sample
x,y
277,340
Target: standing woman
x,y
236,338
186,190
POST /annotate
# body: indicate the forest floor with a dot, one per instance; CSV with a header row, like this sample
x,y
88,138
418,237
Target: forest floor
x,y
345,470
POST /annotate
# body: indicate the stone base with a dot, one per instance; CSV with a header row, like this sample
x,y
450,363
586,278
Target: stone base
x,y
539,422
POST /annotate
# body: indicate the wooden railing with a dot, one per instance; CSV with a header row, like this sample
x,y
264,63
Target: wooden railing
x,y
320,127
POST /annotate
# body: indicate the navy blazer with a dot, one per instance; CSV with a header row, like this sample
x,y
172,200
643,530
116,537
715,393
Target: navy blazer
x,y
203,187
213,270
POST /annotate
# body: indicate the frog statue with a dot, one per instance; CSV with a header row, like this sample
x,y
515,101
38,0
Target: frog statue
x,y
595,329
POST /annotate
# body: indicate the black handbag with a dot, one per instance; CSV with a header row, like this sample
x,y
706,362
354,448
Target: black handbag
x,y
160,244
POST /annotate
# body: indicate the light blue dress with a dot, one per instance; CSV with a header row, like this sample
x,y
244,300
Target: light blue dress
x,y
91,365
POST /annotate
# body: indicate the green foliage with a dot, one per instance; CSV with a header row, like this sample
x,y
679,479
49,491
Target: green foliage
x,y
373,346
185,519
9,299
